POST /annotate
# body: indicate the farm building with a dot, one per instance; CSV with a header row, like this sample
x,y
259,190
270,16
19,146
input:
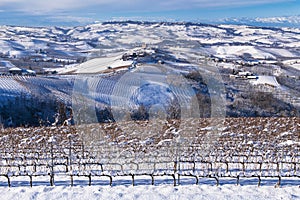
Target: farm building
x,y
246,73
21,72
15,71
28,72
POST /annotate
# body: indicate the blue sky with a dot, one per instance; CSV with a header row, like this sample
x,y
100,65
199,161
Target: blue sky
x,y
73,12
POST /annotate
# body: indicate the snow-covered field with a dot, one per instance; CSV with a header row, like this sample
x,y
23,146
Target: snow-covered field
x,y
162,192
223,41
247,158
266,52
266,80
237,154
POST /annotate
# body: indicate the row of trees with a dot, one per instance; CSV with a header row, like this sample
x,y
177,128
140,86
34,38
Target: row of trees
x,y
26,110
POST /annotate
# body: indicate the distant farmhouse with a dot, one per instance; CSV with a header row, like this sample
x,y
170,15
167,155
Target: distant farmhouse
x,y
7,68
21,72
247,75
28,72
244,75
15,71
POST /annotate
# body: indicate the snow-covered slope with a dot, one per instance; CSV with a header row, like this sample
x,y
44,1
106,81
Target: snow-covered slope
x,y
163,192
101,39
126,47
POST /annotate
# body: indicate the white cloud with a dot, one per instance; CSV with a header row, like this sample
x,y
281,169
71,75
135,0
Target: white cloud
x,y
281,20
40,6
65,18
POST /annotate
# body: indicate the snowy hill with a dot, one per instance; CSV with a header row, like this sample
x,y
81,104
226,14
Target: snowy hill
x,y
129,58
55,42
185,104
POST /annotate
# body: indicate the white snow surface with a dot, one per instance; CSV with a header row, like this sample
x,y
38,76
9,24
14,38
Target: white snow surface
x,y
225,51
223,41
270,80
96,65
231,192
294,63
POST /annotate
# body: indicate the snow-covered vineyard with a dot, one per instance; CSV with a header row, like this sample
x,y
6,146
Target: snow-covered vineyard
x,y
193,149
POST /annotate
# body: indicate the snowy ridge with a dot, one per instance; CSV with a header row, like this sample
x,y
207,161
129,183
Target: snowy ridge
x,y
45,43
